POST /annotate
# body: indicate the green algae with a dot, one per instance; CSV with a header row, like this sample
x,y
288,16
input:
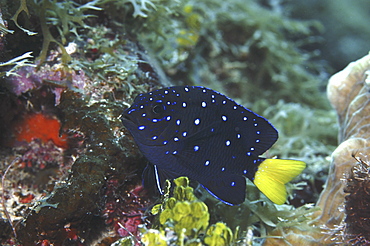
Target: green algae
x,y
241,48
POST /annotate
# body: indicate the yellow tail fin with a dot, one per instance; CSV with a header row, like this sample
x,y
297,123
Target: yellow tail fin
x,y
273,174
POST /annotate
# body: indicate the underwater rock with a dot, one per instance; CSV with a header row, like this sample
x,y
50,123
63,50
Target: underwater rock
x,y
98,185
348,93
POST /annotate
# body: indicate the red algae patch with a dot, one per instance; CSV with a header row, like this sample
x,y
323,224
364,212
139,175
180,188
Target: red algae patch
x,y
40,126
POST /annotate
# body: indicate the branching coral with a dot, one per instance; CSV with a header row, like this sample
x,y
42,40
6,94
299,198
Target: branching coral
x,y
22,7
67,17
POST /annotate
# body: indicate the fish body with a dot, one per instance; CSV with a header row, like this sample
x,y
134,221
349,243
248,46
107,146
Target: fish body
x,y
197,132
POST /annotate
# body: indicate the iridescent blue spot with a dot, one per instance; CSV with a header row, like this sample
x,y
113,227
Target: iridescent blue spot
x,y
141,106
213,101
204,91
245,118
197,121
252,148
245,171
222,169
154,137
255,124
213,96
196,148
141,128
258,132
224,102
174,152
165,142
151,99
167,152
238,135
235,107
227,143
166,92
224,118
257,140
206,163
204,104
159,101
213,129
144,114
233,157
232,183
168,118
175,139
155,120
248,153
168,103
184,134
178,122
184,104
186,89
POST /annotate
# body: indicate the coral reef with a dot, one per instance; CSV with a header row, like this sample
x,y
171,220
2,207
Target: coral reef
x,y
78,169
79,182
348,92
356,227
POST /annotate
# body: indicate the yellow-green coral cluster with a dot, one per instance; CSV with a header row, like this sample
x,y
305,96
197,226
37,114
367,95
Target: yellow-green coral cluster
x,y
218,234
188,218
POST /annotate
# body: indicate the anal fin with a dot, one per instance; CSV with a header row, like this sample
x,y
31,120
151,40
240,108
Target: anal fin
x,y
229,188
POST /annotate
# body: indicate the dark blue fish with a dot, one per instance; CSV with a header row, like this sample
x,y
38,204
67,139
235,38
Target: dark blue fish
x,y
199,133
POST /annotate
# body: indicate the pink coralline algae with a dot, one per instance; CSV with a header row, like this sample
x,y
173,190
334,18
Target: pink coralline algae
x,y
59,79
124,211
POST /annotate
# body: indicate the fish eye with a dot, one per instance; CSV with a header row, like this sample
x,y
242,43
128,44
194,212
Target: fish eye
x,y
158,108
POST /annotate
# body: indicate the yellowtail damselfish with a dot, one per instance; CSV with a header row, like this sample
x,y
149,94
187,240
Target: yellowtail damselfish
x,y
199,133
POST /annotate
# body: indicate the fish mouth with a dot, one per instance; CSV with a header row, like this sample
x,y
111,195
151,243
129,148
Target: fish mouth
x,y
124,117
129,122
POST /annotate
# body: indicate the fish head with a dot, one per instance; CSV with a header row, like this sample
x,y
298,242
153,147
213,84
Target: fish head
x,y
149,116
